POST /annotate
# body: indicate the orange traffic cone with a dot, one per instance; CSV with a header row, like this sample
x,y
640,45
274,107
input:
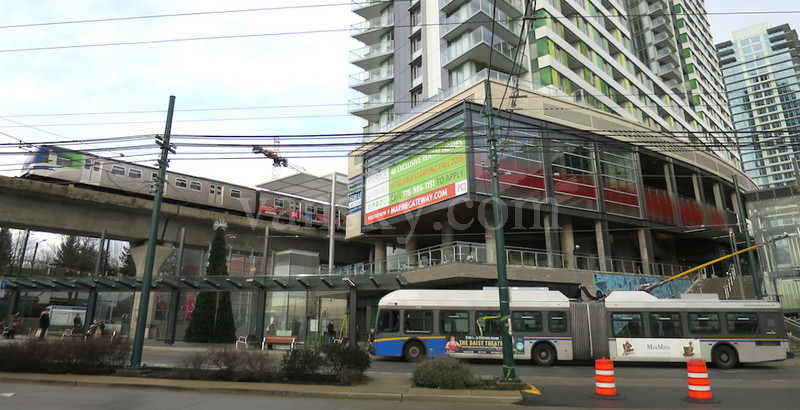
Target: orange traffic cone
x,y
699,386
605,386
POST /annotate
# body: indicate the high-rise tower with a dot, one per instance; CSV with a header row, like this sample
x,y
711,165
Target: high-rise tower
x,y
650,61
761,67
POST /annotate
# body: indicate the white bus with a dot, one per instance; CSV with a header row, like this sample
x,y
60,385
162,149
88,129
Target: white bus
x,y
546,326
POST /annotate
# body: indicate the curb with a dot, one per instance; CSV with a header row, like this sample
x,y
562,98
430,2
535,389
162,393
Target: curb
x,y
267,389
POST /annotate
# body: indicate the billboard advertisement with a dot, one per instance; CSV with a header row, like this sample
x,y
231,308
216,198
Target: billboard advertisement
x,y
436,174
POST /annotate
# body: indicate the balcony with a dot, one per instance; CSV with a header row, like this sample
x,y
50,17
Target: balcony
x,y
513,8
477,13
372,56
370,104
661,38
370,82
371,31
477,46
369,8
474,252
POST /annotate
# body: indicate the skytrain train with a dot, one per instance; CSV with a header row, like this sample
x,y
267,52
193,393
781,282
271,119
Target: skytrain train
x,y
52,163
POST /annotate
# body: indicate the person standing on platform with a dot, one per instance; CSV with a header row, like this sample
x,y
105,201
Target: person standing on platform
x,y
44,323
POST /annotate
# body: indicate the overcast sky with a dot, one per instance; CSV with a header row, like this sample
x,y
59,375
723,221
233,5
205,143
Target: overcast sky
x,y
292,54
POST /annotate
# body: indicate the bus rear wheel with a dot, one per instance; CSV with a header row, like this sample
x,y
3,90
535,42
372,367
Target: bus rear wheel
x,y
413,352
724,357
544,355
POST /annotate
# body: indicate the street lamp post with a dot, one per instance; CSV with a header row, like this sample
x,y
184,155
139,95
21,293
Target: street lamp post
x,y
36,249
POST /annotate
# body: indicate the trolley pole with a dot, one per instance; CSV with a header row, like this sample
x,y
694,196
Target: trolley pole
x,y
147,279
509,374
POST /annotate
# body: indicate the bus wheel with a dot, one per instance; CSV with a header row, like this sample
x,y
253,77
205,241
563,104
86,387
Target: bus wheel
x,y
725,357
544,355
413,352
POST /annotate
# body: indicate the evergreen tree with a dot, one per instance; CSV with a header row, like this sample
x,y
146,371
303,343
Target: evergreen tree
x,y
68,254
6,254
212,318
128,268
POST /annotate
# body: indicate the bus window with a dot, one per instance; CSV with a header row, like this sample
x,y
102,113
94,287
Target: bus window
x,y
455,322
557,322
526,322
703,322
665,325
627,324
488,323
746,323
388,321
419,321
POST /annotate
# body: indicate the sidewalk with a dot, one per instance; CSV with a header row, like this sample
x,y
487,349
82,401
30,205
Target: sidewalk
x,y
377,386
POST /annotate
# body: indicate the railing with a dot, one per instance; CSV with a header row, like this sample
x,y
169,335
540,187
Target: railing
x,y
472,252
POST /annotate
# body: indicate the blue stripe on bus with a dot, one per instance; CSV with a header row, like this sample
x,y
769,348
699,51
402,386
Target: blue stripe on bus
x,y
393,346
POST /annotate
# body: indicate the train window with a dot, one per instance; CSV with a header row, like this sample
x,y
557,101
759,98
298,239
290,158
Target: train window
x,y
96,164
219,189
488,323
454,322
279,202
293,205
740,323
195,186
526,321
557,322
235,193
118,170
419,321
665,325
388,321
181,182
134,173
154,176
703,322
87,163
211,189
627,324
64,161
320,210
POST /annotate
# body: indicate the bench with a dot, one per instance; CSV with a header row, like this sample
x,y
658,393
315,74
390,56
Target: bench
x,y
278,340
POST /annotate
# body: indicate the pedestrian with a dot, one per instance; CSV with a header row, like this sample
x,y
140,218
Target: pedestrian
x,y
331,332
44,323
77,323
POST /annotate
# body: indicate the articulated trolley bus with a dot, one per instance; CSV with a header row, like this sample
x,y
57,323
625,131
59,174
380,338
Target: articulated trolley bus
x,y
546,326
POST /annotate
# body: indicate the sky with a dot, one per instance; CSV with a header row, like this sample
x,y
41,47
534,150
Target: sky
x,y
283,70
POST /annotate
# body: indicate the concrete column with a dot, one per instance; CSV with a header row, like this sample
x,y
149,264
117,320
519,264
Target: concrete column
x,y
379,251
645,250
718,196
448,237
601,234
411,248
551,239
567,242
491,245
139,254
697,184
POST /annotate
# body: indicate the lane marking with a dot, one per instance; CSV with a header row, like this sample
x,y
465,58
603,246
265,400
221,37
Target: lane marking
x,y
532,390
6,394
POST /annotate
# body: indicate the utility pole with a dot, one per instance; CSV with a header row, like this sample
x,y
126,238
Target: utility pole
x,y
147,279
509,374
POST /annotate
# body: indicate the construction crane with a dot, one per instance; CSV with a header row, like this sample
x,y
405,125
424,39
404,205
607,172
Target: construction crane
x,y
278,161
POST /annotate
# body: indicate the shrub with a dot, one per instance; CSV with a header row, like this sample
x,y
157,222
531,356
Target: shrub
x,y
443,373
227,361
301,364
258,367
346,359
78,356
191,366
